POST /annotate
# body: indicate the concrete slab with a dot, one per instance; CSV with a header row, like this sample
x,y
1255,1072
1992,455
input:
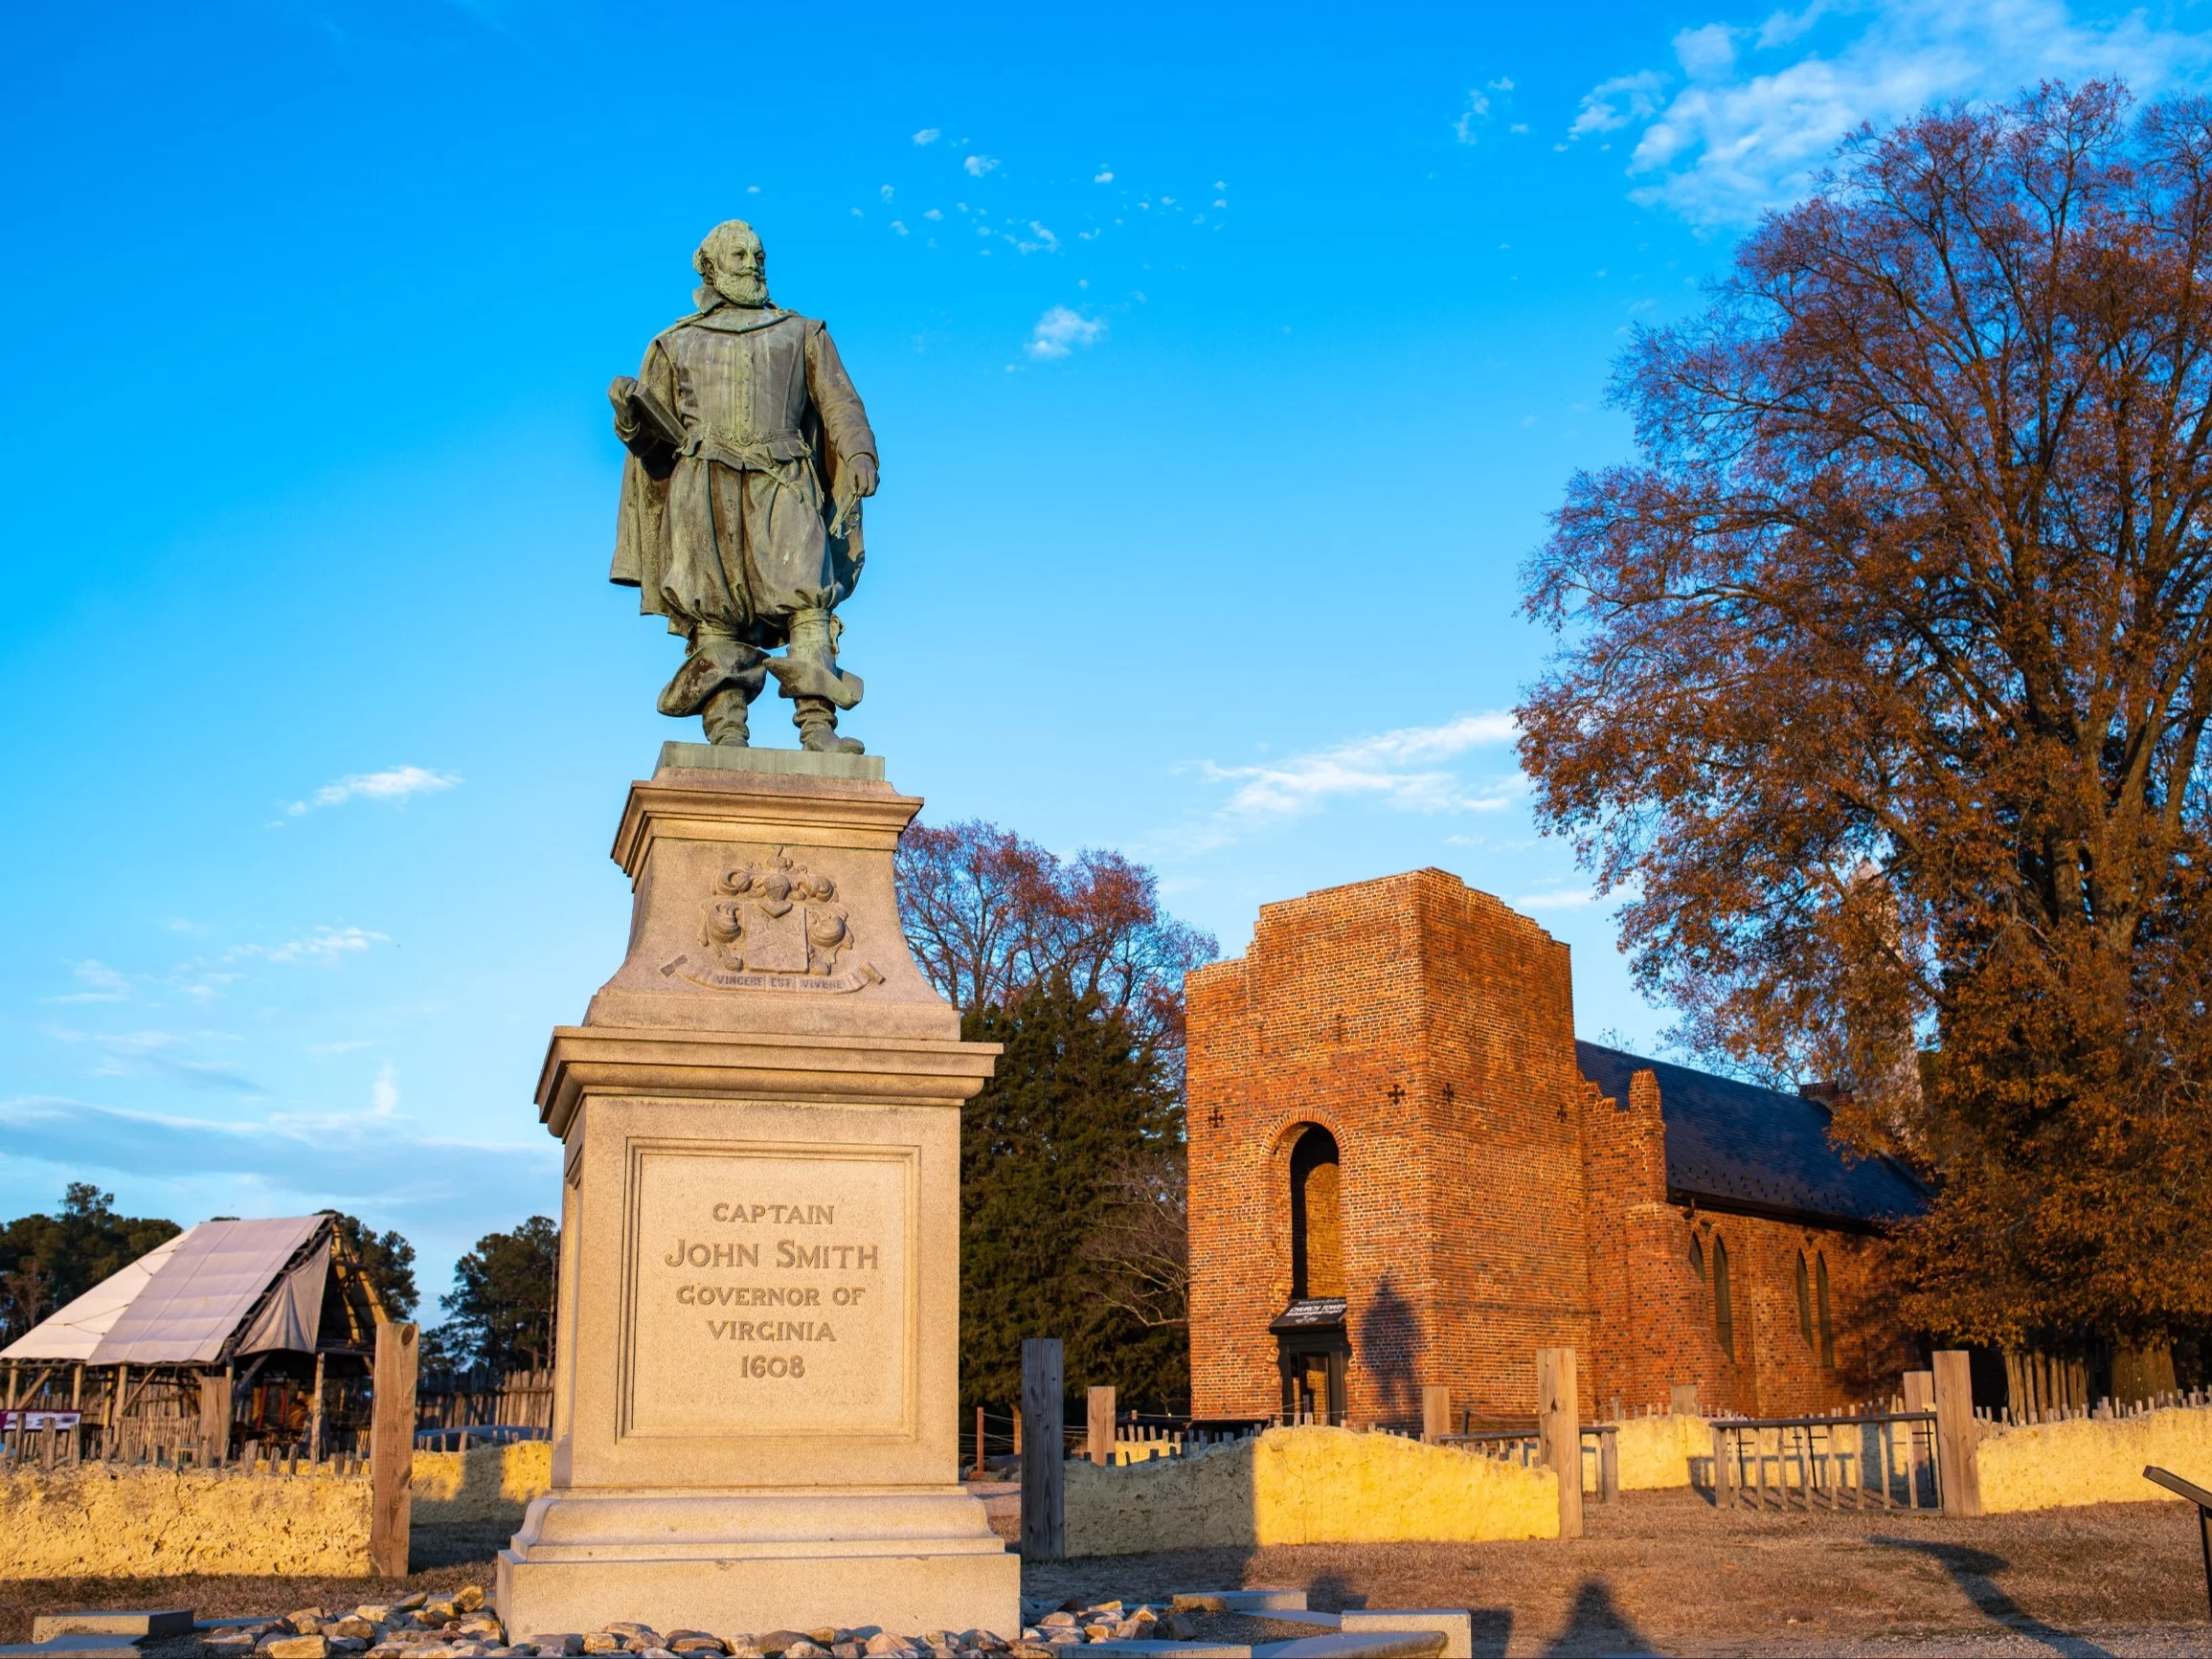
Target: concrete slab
x,y
1457,1624
135,1622
1372,1645
74,1646
1346,1645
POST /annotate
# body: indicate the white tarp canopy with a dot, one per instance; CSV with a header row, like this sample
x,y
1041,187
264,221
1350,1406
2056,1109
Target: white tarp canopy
x,y
179,1304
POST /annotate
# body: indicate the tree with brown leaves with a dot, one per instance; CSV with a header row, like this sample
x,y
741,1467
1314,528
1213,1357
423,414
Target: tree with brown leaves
x,y
1883,684
989,914
1072,1157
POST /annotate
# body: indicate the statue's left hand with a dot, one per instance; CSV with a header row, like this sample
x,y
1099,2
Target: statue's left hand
x,y
859,476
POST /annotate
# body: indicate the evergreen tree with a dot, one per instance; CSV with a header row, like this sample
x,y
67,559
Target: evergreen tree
x,y
387,1262
47,1262
1043,1151
501,1301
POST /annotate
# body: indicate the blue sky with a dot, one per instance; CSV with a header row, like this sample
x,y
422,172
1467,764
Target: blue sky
x,y
1224,363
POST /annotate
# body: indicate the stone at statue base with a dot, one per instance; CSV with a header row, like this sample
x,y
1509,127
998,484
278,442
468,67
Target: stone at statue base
x,y
755,1418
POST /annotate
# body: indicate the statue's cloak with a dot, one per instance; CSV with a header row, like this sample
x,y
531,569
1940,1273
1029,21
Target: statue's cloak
x,y
750,391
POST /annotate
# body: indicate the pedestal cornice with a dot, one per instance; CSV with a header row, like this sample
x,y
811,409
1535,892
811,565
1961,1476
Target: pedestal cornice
x,y
698,805
584,1059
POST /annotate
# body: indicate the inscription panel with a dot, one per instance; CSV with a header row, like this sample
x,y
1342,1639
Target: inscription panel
x,y
770,1290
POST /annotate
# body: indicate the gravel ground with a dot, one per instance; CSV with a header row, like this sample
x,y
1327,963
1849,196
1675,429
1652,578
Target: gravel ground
x,y
1659,1573
444,1559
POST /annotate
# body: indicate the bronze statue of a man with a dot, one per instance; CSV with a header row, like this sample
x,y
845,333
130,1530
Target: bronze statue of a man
x,y
740,518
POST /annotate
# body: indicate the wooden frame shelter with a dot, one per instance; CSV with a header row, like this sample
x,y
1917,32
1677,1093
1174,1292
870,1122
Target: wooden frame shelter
x,y
234,1333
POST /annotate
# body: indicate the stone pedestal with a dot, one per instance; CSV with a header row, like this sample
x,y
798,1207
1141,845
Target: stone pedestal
x,y
755,1418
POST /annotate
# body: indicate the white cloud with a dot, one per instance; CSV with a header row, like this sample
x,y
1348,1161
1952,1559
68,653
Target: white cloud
x,y
927,135
1476,112
886,192
1399,769
899,226
393,783
1612,104
384,1092
1752,128
1707,53
1784,27
206,985
156,1054
979,165
321,947
1103,176
1561,899
1060,330
346,1159
105,984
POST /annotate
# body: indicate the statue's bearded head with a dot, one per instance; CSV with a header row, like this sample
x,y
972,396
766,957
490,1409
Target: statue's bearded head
x,y
734,263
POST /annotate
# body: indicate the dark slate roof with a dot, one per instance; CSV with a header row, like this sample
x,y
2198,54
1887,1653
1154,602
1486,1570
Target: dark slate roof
x,y
1744,1147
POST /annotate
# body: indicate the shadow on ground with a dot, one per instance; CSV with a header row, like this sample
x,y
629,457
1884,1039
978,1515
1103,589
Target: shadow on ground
x,y
1974,1573
1595,1624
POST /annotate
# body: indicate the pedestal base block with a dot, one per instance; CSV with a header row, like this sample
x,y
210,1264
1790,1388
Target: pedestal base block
x,y
734,1562
756,1420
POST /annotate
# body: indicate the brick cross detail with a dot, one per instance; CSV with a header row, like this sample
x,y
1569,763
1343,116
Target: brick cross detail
x,y
1397,1093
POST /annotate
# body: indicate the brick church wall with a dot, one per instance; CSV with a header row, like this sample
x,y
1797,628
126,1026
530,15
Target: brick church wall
x,y
1493,1201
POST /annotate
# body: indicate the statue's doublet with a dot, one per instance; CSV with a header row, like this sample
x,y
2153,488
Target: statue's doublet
x,y
738,532
743,383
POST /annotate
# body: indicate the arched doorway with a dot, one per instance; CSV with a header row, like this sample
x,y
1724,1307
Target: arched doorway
x,y
1312,1347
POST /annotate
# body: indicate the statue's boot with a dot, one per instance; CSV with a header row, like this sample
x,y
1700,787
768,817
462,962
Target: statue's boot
x,y
807,673
815,718
720,677
725,717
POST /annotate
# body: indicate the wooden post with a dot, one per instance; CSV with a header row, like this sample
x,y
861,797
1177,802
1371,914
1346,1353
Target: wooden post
x,y
216,1415
1724,1469
392,1449
1101,1402
315,1417
1043,1525
1609,1465
1959,1485
1559,1432
1436,1412
979,1443
1919,1396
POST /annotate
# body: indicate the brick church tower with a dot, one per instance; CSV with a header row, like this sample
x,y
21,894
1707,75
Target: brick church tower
x,y
1406,1173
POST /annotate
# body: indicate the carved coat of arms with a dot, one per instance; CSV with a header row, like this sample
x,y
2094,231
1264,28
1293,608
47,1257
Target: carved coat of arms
x,y
775,925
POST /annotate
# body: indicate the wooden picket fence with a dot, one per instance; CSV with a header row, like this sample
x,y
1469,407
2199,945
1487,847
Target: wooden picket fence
x,y
479,1399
